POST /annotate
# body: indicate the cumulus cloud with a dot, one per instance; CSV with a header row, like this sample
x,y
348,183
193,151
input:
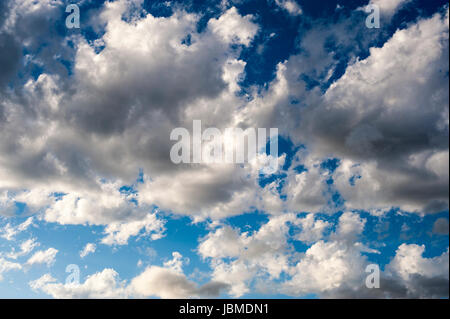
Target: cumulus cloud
x,y
89,145
88,249
422,277
374,118
170,284
43,257
231,26
312,229
151,90
238,258
165,282
104,284
334,266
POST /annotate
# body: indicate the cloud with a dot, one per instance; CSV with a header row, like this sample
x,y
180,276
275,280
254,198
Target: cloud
x,y
350,226
104,284
43,257
116,118
88,249
332,265
86,142
165,282
238,258
312,229
409,261
6,265
118,233
119,212
9,232
308,190
168,283
290,6
25,248
373,118
422,277
232,27
388,7
440,226
326,266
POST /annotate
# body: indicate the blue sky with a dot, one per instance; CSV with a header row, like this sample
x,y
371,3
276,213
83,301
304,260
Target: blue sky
x,y
85,119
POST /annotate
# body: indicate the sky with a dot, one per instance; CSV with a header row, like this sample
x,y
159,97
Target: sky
x,y
92,206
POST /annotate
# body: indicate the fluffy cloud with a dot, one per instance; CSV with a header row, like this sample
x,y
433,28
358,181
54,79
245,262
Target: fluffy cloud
x,y
423,277
388,7
231,26
70,140
238,258
6,265
312,229
25,248
329,266
290,6
104,284
164,282
88,249
334,266
374,118
124,100
43,257
9,232
122,217
170,282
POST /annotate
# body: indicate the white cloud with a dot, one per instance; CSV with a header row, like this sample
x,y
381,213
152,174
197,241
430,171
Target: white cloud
x,y
25,248
176,263
232,27
9,232
169,282
7,205
290,6
388,7
164,282
350,226
88,249
408,261
374,120
153,82
104,284
119,233
43,257
6,265
326,266
237,258
312,229
67,152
